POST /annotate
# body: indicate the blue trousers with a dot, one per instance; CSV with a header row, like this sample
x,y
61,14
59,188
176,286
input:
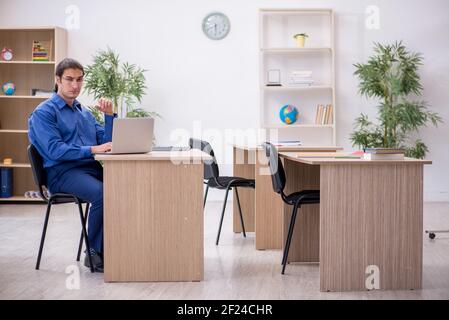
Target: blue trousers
x,y
85,182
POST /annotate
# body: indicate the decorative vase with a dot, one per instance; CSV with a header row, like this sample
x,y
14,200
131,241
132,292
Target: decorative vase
x,y
300,41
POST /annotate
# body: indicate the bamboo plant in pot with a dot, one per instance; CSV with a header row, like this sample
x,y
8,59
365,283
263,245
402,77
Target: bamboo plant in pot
x,y
391,75
123,83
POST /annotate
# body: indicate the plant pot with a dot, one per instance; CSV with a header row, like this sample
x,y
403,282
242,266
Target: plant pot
x,y
300,41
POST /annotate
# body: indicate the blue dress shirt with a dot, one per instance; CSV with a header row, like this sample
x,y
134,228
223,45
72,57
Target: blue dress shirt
x,y
63,135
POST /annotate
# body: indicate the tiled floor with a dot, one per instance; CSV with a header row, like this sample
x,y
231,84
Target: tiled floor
x,y
233,270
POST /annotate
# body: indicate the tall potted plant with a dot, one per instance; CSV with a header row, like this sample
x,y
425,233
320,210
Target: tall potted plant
x,y
123,83
391,76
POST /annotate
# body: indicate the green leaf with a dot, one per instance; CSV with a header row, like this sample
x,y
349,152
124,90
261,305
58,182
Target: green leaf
x,y
390,76
120,82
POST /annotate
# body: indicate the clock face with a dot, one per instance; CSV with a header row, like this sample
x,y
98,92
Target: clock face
x,y
7,55
216,26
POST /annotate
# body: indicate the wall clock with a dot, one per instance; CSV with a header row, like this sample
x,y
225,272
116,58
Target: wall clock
x,y
216,26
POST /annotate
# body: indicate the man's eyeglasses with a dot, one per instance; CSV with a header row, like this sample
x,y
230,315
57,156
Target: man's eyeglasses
x,y
70,79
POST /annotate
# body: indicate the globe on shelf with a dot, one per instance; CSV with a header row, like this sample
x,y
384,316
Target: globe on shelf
x,y
288,114
9,88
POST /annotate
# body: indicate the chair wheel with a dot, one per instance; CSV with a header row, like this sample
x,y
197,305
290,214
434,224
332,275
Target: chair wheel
x,y
432,235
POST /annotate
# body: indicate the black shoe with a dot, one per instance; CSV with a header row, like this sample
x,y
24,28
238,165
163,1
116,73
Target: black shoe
x,y
97,261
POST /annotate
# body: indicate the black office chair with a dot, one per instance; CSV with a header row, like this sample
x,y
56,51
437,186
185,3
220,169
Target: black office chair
x,y
40,178
295,199
212,179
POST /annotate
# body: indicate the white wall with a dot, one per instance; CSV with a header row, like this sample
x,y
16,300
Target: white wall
x,y
192,78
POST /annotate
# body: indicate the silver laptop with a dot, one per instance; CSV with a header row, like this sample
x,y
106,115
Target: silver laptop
x,y
132,135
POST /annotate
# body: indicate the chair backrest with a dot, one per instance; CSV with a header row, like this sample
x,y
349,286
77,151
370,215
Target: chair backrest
x,y
276,168
37,167
210,166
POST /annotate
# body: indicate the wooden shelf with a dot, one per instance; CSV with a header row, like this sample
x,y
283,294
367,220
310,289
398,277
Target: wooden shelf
x,y
295,12
16,109
287,88
294,50
21,198
27,62
299,126
2,96
41,28
13,131
15,165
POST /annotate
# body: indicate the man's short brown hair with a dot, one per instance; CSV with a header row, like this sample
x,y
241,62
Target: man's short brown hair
x,y
67,63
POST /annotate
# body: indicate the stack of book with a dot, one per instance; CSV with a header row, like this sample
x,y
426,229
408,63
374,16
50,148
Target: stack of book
x,y
41,93
383,154
324,114
300,79
41,50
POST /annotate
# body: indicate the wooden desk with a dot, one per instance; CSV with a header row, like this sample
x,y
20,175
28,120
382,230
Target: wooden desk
x,y
370,213
262,209
153,216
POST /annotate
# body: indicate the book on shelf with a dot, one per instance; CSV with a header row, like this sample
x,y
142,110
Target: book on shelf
x,y
41,93
330,115
383,156
318,112
324,114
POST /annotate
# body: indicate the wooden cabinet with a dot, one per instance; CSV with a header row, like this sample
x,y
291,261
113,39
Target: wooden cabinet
x,y
15,109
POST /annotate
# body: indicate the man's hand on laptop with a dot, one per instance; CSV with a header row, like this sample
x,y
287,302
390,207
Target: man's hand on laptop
x,y
106,106
101,148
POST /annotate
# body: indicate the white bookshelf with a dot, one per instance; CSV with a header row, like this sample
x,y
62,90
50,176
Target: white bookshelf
x,y
278,51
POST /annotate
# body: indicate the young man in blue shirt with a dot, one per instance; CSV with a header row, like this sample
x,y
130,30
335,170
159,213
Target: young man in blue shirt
x,y
67,136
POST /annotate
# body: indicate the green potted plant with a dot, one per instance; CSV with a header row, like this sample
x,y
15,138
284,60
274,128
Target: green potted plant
x,y
391,76
301,39
123,83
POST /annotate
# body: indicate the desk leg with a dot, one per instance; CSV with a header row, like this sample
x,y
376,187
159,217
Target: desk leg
x,y
244,163
153,221
371,215
305,241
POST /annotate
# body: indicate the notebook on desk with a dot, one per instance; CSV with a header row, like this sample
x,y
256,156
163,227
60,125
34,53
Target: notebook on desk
x,y
332,155
316,154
